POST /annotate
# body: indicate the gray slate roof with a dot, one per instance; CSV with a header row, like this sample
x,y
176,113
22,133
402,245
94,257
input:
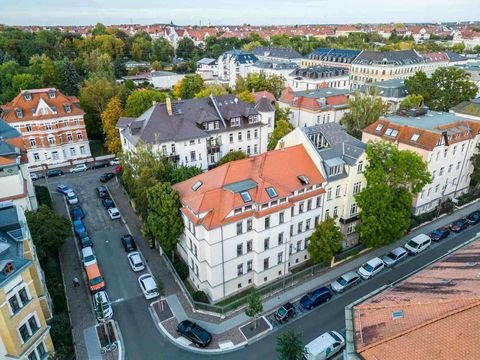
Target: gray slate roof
x,y
394,88
264,105
319,72
240,56
406,57
276,52
276,65
207,61
334,55
8,132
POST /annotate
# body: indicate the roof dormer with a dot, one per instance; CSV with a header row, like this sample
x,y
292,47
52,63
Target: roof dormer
x,y
51,94
27,96
19,112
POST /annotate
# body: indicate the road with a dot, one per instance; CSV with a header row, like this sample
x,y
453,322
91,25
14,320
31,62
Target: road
x,y
141,337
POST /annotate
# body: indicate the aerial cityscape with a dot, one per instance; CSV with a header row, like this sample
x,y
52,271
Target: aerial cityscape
x,y
275,180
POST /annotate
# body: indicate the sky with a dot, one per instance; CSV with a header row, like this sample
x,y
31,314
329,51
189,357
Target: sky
x,y
215,12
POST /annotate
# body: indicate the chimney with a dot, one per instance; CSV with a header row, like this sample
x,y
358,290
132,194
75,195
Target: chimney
x,y
282,145
168,103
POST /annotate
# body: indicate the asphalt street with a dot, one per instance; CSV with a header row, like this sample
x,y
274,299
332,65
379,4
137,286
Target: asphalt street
x,y
141,337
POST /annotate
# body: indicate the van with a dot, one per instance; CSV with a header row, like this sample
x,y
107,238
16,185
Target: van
x,y
325,346
94,278
418,244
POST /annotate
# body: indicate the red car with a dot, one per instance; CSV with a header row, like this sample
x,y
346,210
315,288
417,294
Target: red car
x,y
118,169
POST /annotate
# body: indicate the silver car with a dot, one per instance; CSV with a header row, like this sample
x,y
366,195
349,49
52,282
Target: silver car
x,y
395,256
345,282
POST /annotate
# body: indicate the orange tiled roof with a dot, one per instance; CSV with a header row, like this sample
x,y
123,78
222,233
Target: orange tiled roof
x,y
19,102
441,313
267,170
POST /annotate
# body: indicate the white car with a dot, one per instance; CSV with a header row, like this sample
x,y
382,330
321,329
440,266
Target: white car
x,y
34,176
71,198
115,161
88,257
78,168
148,286
102,297
371,268
325,346
135,261
114,213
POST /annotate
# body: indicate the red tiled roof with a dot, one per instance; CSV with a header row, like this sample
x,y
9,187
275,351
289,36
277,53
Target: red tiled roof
x,y
259,94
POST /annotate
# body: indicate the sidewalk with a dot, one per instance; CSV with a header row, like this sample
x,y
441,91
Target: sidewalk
x,y
180,308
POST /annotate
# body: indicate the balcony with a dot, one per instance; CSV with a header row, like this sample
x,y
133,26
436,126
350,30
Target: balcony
x,y
213,149
349,220
174,158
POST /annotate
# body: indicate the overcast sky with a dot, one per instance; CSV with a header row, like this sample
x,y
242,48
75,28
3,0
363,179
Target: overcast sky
x,y
255,12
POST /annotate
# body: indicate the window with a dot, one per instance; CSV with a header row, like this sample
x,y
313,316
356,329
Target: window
x,y
309,204
290,249
299,245
463,147
329,193
249,246
249,265
255,149
33,356
239,269
19,113
72,151
437,187
82,149
245,196
65,123
33,143
36,157
280,257
357,187
55,155
318,201
240,136
196,269
353,209
24,333
327,213
267,222
28,329
335,211
69,137
300,207
434,172
441,172
48,126
307,240
249,224
14,304
230,136
235,122
248,149
337,191
360,167
300,227
317,220
291,230
255,133
271,192
266,264
266,244
281,217
173,148
193,157
41,351
28,127
239,249
239,228
280,238
450,168
79,136
458,165
445,153
248,135
307,224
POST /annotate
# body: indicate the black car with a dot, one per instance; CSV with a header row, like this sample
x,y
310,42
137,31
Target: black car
x,y
315,298
77,212
459,225
85,240
108,203
474,217
440,233
99,164
52,173
102,191
128,243
198,335
286,312
106,177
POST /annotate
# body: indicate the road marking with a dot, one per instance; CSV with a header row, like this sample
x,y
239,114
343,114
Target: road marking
x,y
117,301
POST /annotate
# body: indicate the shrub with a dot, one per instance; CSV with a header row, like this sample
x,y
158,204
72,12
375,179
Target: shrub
x,y
43,196
446,207
181,268
200,296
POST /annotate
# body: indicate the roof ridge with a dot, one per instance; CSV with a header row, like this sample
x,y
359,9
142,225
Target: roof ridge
x,y
431,321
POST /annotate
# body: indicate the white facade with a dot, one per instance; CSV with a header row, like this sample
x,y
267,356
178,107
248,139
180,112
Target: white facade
x,y
16,186
165,79
299,83
233,64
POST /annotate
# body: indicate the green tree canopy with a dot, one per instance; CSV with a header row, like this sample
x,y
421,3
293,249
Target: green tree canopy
x,y
290,346
326,241
393,177
282,128
24,82
364,109
164,219
412,101
110,117
475,177
254,307
162,51
188,87
231,156
211,89
68,78
140,101
261,82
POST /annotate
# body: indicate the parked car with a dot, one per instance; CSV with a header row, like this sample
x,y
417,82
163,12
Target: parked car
x,y
418,244
148,286
325,346
85,240
114,162
315,298
118,169
88,257
473,217
79,226
71,198
102,191
195,333
106,177
285,312
459,225
108,203
135,261
395,256
128,243
114,213
345,282
98,165
78,168
64,189
440,233
52,173
95,279
76,212
371,268
101,297
35,176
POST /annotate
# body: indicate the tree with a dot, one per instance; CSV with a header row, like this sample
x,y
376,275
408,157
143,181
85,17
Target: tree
x,y
412,101
162,51
99,29
326,241
186,48
475,159
141,49
364,109
140,101
254,307
182,173
188,87
231,156
24,82
290,346
68,78
164,219
393,178
110,117
246,96
251,45
282,128
261,82
48,230
211,89
99,65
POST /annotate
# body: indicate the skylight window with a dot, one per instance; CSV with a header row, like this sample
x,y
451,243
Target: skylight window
x,y
271,192
246,196
398,314
415,137
394,133
379,127
388,132
197,185
304,180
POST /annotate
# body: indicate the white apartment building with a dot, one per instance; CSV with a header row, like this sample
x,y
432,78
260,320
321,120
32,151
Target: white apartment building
x,y
208,65
248,222
15,181
341,159
319,77
312,107
232,64
283,69
51,124
198,132
331,57
445,141
277,54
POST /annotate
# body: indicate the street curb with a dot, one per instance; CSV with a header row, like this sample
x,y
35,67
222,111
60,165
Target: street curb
x,y
121,348
262,334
